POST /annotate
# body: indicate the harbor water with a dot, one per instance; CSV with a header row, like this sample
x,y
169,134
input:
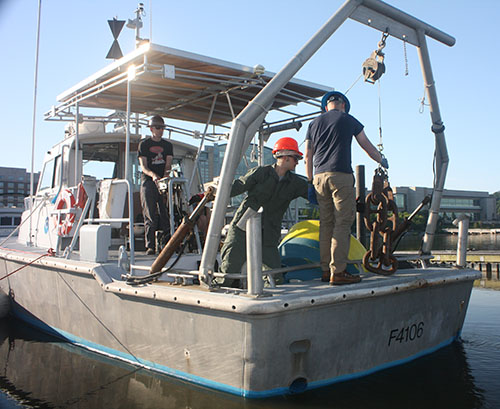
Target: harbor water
x,y
37,371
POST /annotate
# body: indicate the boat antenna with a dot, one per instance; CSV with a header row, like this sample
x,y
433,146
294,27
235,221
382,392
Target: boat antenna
x,y
35,91
136,24
151,21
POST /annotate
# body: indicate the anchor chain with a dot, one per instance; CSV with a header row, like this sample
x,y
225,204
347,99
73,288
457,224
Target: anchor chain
x,y
380,203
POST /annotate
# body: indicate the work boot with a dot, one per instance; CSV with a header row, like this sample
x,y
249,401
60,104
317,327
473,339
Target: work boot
x,y
325,277
344,278
150,252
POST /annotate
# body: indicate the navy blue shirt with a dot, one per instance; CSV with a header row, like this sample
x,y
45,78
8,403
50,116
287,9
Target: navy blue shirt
x,y
331,139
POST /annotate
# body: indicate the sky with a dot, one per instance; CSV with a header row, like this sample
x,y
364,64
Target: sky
x,y
75,39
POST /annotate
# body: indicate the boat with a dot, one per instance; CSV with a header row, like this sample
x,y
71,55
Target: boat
x,y
74,271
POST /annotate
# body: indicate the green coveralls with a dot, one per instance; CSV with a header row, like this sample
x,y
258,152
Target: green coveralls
x,y
264,189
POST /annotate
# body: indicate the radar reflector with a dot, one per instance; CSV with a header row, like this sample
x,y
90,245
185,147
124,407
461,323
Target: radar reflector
x,y
115,51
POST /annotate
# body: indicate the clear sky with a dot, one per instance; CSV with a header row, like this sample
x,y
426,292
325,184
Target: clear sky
x,y
75,39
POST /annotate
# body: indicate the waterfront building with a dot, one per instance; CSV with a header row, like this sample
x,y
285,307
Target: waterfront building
x,y
479,206
15,186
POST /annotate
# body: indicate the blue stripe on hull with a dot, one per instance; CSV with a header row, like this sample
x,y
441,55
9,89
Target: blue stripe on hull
x,y
24,315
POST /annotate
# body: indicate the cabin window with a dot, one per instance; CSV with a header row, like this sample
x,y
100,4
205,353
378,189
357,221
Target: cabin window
x,y
48,177
106,161
100,160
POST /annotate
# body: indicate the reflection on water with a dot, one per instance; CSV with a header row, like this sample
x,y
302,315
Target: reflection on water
x,y
413,241
40,372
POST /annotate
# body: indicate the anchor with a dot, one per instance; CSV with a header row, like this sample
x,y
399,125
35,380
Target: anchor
x,y
379,259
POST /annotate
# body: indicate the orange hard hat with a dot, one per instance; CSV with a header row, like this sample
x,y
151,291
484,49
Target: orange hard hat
x,y
286,144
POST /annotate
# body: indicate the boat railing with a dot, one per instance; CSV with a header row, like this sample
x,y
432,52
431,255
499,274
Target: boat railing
x,y
91,189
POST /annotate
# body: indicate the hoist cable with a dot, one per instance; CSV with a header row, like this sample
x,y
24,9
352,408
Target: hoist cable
x,y
353,84
381,144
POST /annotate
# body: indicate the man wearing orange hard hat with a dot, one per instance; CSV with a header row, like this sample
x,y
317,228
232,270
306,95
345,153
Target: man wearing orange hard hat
x,y
271,187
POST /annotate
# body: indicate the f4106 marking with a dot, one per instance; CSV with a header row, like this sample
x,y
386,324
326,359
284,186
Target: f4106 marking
x,y
406,334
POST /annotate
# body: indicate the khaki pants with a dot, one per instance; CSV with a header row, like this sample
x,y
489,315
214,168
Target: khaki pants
x,y
337,206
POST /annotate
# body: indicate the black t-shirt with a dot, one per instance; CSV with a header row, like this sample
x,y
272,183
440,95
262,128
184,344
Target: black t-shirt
x,y
156,154
331,138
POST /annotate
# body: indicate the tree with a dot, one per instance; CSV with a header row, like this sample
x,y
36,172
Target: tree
x,y
497,196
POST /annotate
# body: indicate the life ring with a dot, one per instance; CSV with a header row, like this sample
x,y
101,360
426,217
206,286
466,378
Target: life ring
x,y
65,200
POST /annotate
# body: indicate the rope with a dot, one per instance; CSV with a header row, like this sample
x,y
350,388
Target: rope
x,y
353,84
50,252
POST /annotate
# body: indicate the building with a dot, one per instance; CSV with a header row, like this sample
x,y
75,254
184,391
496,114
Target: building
x,y
479,206
15,186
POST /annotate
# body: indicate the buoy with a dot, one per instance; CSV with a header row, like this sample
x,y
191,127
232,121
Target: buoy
x,y
4,304
301,246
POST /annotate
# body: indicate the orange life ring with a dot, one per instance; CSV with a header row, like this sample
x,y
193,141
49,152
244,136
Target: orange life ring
x,y
65,200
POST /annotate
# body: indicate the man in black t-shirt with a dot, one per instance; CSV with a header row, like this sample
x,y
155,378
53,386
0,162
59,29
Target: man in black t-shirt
x,y
328,148
155,158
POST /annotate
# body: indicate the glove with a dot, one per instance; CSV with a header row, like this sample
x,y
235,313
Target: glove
x,y
311,194
384,162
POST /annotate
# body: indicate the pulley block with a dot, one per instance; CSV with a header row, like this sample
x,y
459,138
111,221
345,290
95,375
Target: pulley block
x,y
374,66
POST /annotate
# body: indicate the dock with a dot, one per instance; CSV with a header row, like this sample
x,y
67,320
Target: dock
x,y
473,231
486,261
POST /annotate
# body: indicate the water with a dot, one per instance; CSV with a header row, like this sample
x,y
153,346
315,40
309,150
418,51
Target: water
x,y
37,371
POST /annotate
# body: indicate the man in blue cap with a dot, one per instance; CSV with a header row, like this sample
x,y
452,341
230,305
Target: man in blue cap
x,y
328,148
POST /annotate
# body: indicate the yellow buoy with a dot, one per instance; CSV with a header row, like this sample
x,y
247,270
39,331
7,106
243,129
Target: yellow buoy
x,y
301,246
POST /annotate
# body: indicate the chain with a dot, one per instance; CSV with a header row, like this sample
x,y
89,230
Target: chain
x,y
380,203
405,54
381,43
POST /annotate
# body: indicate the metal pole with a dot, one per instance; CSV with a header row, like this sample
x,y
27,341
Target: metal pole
x,y
440,142
254,254
410,21
360,194
463,230
248,117
261,149
77,141
131,77
33,131
195,165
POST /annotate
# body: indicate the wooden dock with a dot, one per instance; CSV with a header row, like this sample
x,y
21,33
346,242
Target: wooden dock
x,y
486,261
473,231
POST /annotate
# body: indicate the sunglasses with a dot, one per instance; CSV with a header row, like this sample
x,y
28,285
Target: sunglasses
x,y
336,98
158,127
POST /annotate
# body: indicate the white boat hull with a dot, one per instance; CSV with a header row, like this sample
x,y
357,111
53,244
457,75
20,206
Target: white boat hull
x,y
300,336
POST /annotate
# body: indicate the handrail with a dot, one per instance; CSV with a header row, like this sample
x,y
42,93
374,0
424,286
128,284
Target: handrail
x,y
109,220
